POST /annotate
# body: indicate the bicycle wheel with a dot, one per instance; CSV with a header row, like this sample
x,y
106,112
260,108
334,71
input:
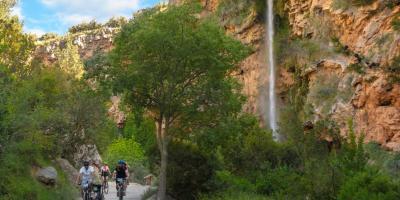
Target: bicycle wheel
x,y
87,196
105,188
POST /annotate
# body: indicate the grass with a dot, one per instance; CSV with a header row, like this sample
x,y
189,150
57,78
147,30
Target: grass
x,y
17,180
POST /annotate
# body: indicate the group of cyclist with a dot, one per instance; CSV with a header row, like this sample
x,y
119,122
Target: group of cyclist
x,y
93,175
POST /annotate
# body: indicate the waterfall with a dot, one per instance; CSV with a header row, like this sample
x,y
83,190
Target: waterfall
x,y
271,64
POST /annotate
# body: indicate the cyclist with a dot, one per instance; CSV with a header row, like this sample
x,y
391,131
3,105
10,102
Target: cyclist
x,y
121,171
96,181
85,177
105,172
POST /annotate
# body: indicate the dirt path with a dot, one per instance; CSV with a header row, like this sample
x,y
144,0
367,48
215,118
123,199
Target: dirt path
x,y
133,192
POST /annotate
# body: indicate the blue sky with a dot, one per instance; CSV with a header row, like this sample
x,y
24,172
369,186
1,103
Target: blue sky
x,y
41,16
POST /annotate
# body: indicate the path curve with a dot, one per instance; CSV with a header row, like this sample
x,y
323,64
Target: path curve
x,y
133,192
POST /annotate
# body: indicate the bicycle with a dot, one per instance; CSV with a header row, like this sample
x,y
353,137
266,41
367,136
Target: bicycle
x,y
97,189
86,191
120,188
104,186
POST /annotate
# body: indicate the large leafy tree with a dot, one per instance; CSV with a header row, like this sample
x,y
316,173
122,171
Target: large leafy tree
x,y
15,46
174,67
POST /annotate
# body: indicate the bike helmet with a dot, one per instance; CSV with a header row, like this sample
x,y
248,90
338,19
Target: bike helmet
x,y
121,162
85,163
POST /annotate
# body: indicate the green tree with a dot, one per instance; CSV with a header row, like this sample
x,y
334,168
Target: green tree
x,y
69,59
172,65
15,46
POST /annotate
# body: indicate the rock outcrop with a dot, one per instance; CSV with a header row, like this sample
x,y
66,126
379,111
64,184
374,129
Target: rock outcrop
x,y
47,175
90,42
365,30
71,172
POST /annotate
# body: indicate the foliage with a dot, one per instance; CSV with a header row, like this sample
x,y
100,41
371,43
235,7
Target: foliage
x,y
142,131
394,70
356,67
346,4
173,66
85,26
396,23
189,171
15,50
369,185
124,149
49,36
235,195
69,60
116,22
387,161
236,12
324,91
392,3
17,181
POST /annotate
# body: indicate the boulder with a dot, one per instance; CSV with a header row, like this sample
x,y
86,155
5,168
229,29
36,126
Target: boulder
x,y
87,152
47,175
68,169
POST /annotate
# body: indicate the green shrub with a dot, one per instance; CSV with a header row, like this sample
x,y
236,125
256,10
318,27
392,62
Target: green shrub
x,y
85,26
235,12
346,4
235,195
356,67
339,47
124,149
369,185
396,23
17,182
392,3
189,171
49,36
116,22
324,91
393,70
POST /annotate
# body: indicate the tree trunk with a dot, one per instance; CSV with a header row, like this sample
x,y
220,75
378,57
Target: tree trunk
x,y
162,188
162,140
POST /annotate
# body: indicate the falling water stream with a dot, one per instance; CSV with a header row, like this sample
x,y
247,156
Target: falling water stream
x,y
271,64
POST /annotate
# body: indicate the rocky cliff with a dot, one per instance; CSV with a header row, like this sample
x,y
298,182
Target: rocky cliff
x,y
368,41
354,81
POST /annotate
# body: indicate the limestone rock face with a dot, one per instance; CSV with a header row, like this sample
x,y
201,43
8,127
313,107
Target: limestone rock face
x,y
47,175
364,30
86,152
88,43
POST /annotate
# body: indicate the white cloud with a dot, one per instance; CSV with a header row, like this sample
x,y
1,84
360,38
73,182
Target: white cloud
x,y
36,31
74,11
17,11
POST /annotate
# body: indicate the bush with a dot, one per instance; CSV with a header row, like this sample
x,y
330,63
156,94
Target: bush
x,y
393,70
189,171
49,36
124,149
346,4
356,67
324,91
116,22
235,195
369,185
234,12
396,23
17,182
85,26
